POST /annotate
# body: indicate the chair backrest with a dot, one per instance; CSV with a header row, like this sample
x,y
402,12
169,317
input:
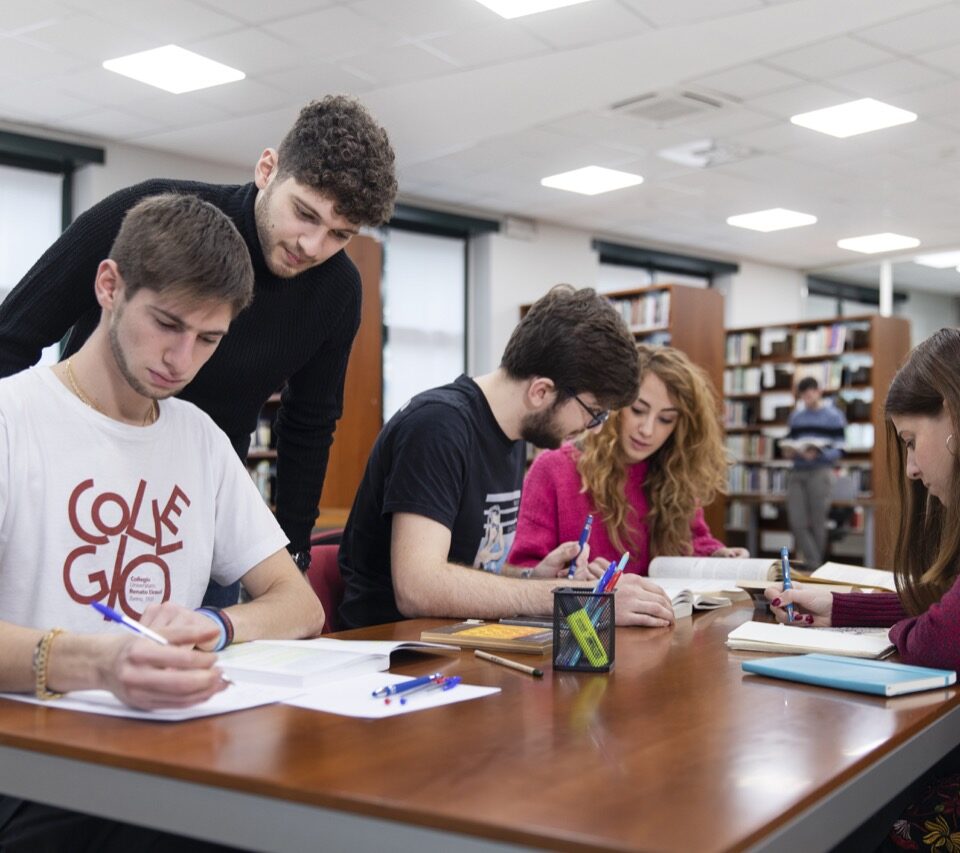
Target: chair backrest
x,y
324,577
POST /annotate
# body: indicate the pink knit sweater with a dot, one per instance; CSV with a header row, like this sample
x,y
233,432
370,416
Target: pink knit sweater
x,y
553,509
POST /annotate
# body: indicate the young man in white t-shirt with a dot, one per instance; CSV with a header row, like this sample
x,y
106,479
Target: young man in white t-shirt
x,y
113,491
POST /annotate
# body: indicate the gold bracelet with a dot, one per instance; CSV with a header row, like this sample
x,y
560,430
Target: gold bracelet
x,y
41,657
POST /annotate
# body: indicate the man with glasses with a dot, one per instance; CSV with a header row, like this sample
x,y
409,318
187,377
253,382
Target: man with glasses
x,y
442,487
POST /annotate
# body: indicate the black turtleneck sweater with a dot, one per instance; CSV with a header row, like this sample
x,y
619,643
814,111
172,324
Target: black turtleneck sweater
x,y
298,331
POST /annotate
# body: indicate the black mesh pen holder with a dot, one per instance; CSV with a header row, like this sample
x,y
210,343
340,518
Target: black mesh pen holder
x,y
583,630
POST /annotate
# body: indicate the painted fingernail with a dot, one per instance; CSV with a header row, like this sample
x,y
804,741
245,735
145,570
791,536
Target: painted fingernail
x,y
776,602
808,618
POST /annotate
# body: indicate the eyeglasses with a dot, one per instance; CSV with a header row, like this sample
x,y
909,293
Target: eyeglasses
x,y
597,416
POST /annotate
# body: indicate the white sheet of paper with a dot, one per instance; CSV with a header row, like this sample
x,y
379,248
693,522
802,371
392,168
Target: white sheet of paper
x,y
237,697
353,697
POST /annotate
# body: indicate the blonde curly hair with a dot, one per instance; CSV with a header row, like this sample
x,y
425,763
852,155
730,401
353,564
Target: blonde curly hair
x,y
688,470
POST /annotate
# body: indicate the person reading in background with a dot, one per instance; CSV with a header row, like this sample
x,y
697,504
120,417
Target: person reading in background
x,y
644,475
433,519
922,412
113,492
333,174
810,482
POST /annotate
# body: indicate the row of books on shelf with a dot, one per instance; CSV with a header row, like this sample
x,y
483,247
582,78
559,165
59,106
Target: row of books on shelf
x,y
264,475
825,339
262,436
851,482
831,376
645,311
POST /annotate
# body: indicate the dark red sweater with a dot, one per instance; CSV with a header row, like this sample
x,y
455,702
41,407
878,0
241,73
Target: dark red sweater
x,y
930,639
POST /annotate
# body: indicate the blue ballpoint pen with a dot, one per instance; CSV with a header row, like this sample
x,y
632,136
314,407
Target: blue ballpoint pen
x,y
446,684
785,563
584,536
404,686
127,622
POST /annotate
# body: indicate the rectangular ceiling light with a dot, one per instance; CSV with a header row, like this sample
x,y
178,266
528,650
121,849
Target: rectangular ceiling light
x,y
592,180
174,69
854,117
939,260
774,219
870,244
519,8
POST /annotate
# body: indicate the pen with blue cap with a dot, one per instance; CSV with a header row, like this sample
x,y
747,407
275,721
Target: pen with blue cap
x,y
584,536
404,686
129,623
785,563
443,684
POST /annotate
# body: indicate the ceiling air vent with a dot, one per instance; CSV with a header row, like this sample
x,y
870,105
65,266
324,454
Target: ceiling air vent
x,y
666,107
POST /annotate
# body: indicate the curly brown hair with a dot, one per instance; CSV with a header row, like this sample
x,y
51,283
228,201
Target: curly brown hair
x,y
336,148
690,469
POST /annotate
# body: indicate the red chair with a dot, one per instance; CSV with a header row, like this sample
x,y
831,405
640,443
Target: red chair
x,y
324,577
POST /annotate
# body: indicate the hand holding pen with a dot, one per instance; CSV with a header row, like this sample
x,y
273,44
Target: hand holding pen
x,y
785,564
162,673
584,536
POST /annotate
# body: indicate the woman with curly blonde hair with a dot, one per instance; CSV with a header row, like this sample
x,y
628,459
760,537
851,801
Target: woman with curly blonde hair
x,y
643,475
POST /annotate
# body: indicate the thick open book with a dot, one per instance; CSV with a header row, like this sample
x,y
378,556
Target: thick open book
x,y
849,642
306,663
526,639
884,678
705,583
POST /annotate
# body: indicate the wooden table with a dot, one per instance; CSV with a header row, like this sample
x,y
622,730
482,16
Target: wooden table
x,y
677,749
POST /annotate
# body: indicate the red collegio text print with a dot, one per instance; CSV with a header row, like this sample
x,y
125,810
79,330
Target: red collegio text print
x,y
122,559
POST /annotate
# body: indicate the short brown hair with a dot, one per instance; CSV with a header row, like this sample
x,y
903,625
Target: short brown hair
x,y
577,339
336,148
178,242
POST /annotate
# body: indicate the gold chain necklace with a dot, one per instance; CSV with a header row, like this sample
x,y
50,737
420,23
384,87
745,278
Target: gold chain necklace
x,y
149,418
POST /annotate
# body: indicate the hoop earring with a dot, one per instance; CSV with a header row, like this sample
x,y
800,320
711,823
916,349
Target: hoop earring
x,y
951,452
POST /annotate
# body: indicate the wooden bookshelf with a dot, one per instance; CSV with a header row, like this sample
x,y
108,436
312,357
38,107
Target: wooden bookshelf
x,y
688,318
854,360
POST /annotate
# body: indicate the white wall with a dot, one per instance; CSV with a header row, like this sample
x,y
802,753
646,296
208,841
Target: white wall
x,y
509,272
760,294
928,312
127,164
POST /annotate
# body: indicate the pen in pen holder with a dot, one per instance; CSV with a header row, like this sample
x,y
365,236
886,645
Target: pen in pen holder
x,y
583,630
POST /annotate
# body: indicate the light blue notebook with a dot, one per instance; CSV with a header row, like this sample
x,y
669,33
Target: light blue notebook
x,y
882,677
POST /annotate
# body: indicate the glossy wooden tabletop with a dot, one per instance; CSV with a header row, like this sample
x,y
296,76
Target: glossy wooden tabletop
x,y
677,749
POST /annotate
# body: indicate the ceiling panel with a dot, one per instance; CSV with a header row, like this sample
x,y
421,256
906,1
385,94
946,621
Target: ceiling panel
x,y
911,34
830,57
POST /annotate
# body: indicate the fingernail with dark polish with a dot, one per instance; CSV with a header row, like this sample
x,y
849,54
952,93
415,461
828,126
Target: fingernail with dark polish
x,y
776,602
808,618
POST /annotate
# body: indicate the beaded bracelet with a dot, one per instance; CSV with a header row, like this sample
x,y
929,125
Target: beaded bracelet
x,y
41,659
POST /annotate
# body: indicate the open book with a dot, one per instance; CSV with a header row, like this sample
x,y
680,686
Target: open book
x,y
851,642
857,576
306,663
798,445
705,583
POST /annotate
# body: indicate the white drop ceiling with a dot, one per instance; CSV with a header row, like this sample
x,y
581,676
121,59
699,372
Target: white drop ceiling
x,y
481,108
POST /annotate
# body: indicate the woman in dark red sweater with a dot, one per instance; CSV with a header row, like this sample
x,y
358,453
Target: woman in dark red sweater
x,y
922,412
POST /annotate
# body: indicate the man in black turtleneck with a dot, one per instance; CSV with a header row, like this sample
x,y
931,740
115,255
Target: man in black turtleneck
x,y
333,173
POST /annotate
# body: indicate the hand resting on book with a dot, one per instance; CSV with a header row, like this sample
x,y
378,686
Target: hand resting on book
x,y
812,607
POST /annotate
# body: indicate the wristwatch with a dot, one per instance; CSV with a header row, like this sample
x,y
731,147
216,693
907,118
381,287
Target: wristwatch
x,y
302,559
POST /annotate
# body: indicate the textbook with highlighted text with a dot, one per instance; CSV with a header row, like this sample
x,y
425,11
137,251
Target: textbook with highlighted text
x,y
526,639
306,663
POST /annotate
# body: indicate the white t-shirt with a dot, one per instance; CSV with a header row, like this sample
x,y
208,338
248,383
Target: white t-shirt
x,y
96,510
